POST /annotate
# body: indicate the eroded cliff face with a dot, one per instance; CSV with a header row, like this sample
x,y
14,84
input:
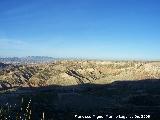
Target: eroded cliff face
x,y
78,72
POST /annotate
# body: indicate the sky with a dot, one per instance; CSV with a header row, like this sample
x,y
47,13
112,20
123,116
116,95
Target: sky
x,y
98,29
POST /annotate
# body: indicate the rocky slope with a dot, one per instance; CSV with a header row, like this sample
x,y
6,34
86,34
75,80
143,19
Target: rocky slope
x,y
78,72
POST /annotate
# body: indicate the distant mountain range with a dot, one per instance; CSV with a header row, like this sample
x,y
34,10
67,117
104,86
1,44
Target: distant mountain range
x,y
28,59
2,65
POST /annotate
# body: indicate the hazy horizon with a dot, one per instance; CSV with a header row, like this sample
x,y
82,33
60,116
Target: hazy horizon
x,y
92,29
83,58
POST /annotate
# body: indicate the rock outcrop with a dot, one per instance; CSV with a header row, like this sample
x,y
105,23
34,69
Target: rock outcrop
x,y
78,72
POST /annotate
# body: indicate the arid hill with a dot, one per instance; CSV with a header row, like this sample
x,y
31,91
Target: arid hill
x,y
67,72
61,89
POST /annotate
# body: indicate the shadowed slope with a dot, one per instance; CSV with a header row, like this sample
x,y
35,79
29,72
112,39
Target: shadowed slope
x,y
120,97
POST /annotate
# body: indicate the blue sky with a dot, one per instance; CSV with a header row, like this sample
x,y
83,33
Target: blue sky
x,y
108,29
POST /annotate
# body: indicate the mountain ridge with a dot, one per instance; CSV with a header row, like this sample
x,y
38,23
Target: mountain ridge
x,y
74,72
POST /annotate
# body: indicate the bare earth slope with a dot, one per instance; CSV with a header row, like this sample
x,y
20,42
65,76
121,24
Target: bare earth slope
x,y
64,88
78,72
